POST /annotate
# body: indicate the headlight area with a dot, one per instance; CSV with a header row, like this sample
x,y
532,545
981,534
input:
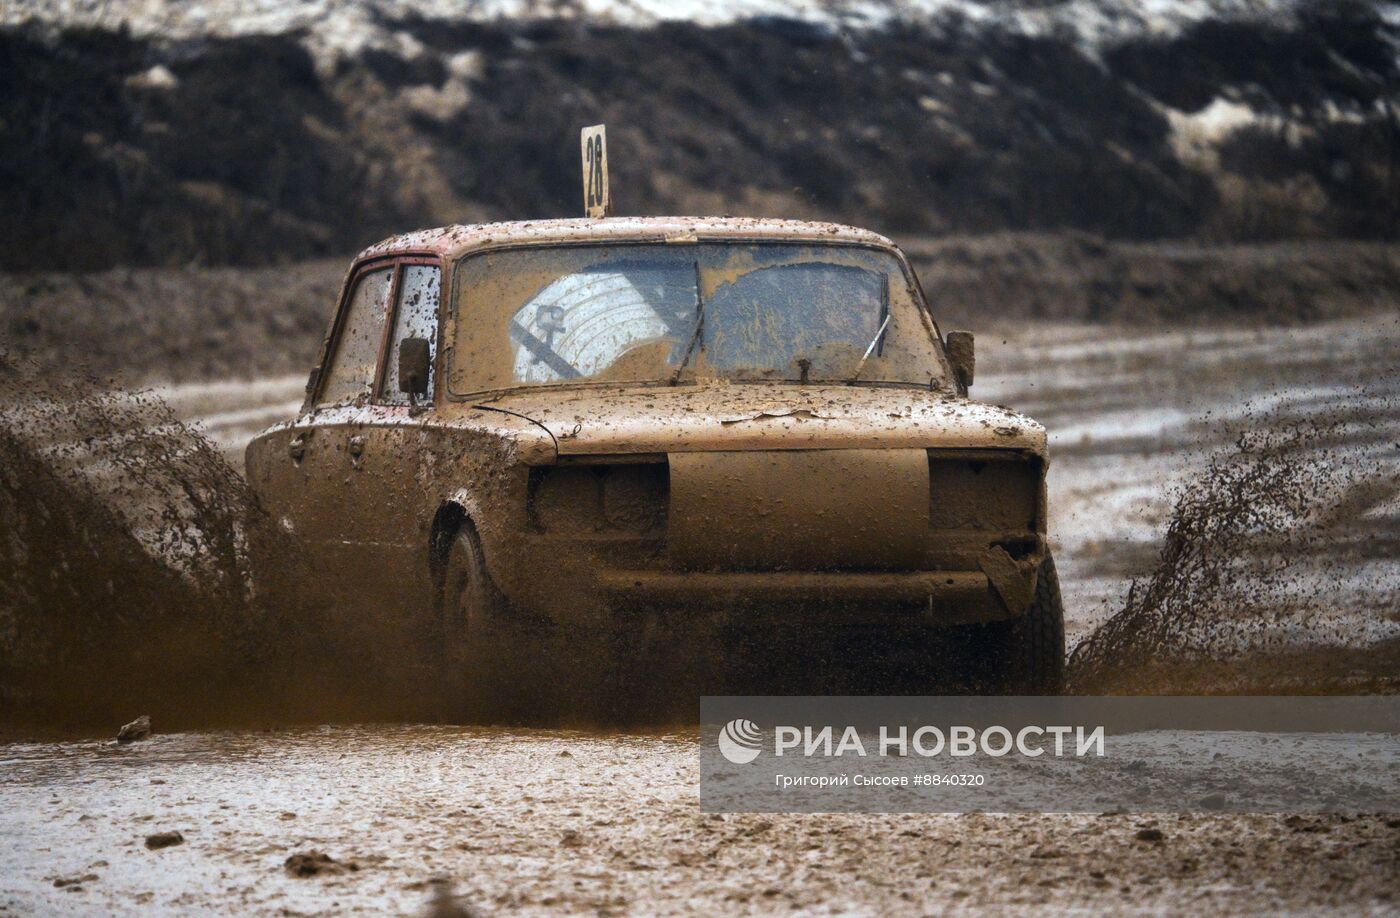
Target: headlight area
x,y
605,496
985,490
981,499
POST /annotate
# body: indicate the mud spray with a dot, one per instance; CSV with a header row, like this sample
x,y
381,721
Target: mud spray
x,y
139,573
1250,589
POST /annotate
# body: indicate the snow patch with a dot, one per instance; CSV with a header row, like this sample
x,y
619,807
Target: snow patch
x,y
158,77
439,104
336,29
1196,135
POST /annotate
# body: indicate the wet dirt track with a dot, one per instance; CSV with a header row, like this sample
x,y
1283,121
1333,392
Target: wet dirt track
x,y
1133,418
613,826
544,821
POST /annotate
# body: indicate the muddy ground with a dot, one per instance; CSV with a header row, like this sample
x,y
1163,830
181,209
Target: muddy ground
x,y
545,821
548,822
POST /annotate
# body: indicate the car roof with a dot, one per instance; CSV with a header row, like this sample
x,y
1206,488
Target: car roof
x,y
453,241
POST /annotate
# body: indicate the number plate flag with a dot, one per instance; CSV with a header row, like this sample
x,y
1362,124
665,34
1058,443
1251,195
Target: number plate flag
x,y
593,140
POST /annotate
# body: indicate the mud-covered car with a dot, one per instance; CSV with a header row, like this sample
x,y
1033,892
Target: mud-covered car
x,y
593,425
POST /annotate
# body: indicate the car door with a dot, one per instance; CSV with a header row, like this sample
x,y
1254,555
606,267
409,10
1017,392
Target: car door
x,y
348,478
304,470
348,460
395,463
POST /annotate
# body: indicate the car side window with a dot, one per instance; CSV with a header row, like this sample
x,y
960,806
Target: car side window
x,y
415,316
350,372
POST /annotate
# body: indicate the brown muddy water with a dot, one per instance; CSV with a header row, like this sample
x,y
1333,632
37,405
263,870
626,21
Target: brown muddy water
x,y
1191,560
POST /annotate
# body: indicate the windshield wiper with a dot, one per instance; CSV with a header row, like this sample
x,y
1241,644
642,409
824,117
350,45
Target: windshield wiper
x,y
871,349
696,335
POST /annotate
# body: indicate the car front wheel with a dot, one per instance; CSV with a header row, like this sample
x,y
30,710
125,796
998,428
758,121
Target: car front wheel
x,y
470,606
1026,655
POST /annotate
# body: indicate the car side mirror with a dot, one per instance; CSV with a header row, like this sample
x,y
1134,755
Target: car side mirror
x,y
415,363
312,379
960,352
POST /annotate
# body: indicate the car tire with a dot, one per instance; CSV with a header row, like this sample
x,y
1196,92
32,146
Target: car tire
x,y
1026,655
470,608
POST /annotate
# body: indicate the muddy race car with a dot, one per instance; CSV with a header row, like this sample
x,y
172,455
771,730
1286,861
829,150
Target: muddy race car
x,y
597,425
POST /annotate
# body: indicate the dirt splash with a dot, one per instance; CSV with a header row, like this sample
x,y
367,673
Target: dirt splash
x,y
137,570
1242,597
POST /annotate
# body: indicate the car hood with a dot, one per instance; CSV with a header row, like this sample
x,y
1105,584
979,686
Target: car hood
x,y
738,416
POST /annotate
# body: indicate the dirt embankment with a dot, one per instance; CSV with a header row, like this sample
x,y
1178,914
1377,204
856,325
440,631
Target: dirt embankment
x,y
174,324
975,281
255,148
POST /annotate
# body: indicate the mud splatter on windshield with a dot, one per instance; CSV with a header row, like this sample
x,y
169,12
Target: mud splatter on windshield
x,y
733,310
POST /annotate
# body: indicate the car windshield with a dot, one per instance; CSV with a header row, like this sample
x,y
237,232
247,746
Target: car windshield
x,y
659,313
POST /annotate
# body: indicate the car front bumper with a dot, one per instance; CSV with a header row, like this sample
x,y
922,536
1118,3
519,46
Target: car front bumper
x,y
938,597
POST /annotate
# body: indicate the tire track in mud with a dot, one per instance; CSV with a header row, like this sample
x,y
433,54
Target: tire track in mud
x,y
546,822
